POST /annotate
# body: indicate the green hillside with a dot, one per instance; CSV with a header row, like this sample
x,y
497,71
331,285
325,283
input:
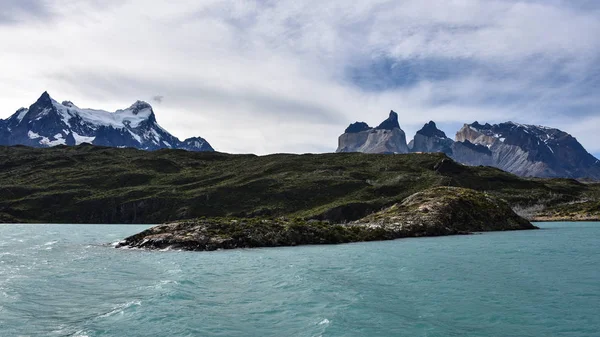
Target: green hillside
x,y
90,184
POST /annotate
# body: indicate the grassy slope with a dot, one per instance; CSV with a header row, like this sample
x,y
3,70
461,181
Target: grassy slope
x,y
88,184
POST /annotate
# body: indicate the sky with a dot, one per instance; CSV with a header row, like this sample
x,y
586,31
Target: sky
x,y
289,76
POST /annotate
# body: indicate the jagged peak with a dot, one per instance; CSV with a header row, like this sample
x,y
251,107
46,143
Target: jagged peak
x,y
44,98
390,123
357,127
430,130
477,125
139,106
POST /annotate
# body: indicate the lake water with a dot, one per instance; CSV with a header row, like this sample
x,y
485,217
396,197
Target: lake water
x,y
59,280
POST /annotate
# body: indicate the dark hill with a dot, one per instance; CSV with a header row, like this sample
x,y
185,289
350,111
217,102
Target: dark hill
x,y
91,184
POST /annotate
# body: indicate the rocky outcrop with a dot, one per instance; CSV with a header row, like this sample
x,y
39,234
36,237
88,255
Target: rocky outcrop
x,y
433,212
524,150
47,123
431,139
530,150
388,137
447,211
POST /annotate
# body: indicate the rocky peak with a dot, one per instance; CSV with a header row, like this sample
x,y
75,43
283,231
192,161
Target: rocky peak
x,y
390,123
357,127
478,126
196,144
431,130
44,99
431,139
42,107
139,106
388,137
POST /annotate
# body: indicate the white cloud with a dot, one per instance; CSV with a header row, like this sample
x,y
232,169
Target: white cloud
x,y
271,76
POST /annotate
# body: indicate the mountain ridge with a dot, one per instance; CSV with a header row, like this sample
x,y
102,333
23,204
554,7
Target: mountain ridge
x,y
522,149
388,137
47,123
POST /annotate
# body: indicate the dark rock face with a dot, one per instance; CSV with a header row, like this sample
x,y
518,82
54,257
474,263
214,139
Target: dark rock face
x,y
358,127
391,123
431,139
48,123
434,212
388,137
431,130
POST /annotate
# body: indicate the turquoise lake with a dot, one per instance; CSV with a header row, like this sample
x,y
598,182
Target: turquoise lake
x,y
63,280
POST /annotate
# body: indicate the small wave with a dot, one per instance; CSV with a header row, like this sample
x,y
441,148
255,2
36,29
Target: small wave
x,y
50,243
116,243
324,322
120,309
80,334
162,283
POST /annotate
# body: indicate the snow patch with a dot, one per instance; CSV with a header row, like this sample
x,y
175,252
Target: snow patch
x,y
22,113
48,142
137,138
82,139
45,141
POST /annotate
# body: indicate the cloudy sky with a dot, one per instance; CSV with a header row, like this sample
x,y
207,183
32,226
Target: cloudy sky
x,y
288,76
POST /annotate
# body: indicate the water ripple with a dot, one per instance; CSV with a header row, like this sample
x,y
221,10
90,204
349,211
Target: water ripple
x,y
530,284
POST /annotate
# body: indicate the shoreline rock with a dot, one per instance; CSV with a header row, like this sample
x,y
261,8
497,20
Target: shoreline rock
x,y
438,211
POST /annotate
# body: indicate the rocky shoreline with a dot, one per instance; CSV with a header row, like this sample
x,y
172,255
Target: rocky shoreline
x,y
434,212
566,219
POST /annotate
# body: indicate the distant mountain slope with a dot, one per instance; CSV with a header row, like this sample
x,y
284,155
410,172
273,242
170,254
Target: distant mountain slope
x,y
48,123
532,150
525,150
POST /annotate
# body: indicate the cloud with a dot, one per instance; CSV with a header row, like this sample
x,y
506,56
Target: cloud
x,y
17,11
283,76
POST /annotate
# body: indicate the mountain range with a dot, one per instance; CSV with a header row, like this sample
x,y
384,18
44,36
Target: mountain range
x,y
49,123
525,150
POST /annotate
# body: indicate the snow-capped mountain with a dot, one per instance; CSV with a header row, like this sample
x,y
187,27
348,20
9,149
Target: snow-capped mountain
x,y
532,150
525,150
49,123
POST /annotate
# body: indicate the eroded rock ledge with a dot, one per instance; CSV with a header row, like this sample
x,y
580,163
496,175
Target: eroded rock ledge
x,y
433,212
